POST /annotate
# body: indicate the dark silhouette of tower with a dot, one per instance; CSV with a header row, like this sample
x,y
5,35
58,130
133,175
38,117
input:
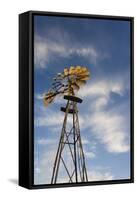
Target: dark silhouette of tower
x,y
70,156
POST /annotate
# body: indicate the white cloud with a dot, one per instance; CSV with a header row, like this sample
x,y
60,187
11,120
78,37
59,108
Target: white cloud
x,y
101,103
85,141
52,119
96,175
39,96
43,141
107,125
46,50
102,88
43,166
109,128
89,148
89,154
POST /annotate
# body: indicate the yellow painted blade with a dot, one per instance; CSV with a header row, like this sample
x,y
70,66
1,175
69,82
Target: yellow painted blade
x,y
77,71
78,67
84,69
83,77
47,101
48,98
84,73
66,92
71,68
72,71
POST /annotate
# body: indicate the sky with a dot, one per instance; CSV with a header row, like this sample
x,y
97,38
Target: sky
x,y
103,46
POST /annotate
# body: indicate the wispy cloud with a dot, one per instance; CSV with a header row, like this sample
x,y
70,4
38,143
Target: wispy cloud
x,y
43,141
49,119
47,49
39,96
97,175
109,128
103,88
43,166
89,154
46,117
107,124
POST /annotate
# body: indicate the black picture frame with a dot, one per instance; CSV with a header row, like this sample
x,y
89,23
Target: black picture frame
x,y
26,99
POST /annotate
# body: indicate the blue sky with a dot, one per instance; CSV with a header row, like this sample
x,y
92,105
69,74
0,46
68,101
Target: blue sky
x,y
104,47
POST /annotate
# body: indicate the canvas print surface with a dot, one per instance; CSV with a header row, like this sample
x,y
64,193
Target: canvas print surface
x,y
81,99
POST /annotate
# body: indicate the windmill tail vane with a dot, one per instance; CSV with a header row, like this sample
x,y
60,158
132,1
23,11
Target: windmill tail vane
x,y
69,160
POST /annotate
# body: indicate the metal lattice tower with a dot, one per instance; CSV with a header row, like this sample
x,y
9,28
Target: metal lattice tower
x,y
70,155
70,139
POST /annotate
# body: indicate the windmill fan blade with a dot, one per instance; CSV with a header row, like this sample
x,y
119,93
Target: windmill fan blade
x,y
80,82
60,89
60,76
56,83
49,94
84,78
72,67
84,69
75,86
78,68
72,70
84,73
78,71
65,91
66,72
49,100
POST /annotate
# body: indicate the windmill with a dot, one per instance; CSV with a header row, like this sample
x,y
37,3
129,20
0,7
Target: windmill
x,y
70,154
